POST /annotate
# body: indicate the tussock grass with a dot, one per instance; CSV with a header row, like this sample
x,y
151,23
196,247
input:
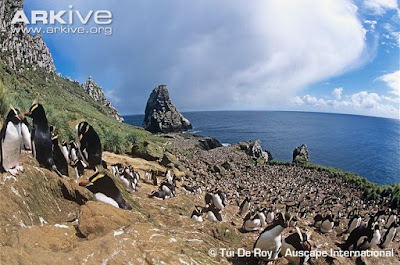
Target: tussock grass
x,y
66,104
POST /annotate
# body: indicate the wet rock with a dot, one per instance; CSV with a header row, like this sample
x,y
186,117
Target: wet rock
x,y
147,150
300,154
161,116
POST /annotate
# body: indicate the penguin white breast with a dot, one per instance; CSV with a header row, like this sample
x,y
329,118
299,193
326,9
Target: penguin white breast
x,y
291,259
354,224
11,146
64,151
26,136
270,217
390,221
251,225
218,202
271,241
389,238
198,218
167,190
103,198
211,216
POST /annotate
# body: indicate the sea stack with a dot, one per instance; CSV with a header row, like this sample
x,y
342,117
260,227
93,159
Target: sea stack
x,y
300,154
161,116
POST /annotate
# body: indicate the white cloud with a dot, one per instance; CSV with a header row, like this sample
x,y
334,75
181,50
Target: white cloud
x,y
361,102
379,7
372,24
392,80
218,54
337,92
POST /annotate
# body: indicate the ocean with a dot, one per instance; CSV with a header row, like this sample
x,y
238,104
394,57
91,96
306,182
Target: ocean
x,y
368,146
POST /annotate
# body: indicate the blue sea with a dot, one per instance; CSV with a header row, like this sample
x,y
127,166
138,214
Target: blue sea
x,y
369,146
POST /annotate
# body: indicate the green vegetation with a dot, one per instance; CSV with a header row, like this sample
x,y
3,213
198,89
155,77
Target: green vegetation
x,y
66,104
224,232
371,191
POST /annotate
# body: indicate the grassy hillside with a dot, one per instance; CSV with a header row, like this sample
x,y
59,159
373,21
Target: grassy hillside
x,y
66,104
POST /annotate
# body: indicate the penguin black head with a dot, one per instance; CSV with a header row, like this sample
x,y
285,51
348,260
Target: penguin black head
x,y
14,116
36,112
82,129
303,239
283,219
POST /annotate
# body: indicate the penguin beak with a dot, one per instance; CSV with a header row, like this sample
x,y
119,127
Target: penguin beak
x,y
28,113
306,246
21,117
84,183
288,224
80,137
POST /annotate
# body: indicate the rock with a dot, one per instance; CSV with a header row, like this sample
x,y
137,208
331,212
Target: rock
x,y
300,154
98,95
227,165
254,150
208,143
147,150
169,160
21,50
161,116
97,219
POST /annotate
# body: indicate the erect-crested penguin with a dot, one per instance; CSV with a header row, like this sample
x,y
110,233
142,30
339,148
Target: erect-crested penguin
x,y
41,138
58,157
371,240
251,222
105,190
327,223
10,142
213,214
357,236
354,222
391,218
219,200
389,235
197,214
159,194
244,206
65,151
296,242
89,145
270,240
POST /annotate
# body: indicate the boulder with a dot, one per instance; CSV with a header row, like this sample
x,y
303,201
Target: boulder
x,y
208,143
169,160
300,154
161,116
147,150
254,149
97,219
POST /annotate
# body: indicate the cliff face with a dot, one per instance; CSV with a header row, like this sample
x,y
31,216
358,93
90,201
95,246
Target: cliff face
x,y
21,50
97,94
161,116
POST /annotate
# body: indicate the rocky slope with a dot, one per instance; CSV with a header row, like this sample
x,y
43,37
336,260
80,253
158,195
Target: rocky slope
x,y
45,219
161,116
21,50
97,94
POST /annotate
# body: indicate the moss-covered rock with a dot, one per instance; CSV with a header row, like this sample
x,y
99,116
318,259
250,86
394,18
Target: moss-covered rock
x,y
147,150
169,160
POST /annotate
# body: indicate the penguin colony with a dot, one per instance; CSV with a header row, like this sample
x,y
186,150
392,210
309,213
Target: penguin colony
x,y
266,207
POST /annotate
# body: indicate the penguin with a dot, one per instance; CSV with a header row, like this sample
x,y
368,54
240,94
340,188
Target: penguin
x,y
244,206
105,190
65,152
10,142
154,178
41,138
391,218
370,241
354,223
128,180
296,242
26,135
78,165
327,224
159,194
270,240
197,214
89,145
219,200
263,218
251,222
58,157
357,236
270,216
168,188
389,235
208,198
213,214
318,220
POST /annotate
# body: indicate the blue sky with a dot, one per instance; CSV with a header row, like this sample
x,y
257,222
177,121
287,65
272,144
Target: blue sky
x,y
310,55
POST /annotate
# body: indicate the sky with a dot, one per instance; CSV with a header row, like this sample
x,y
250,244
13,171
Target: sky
x,y
337,56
